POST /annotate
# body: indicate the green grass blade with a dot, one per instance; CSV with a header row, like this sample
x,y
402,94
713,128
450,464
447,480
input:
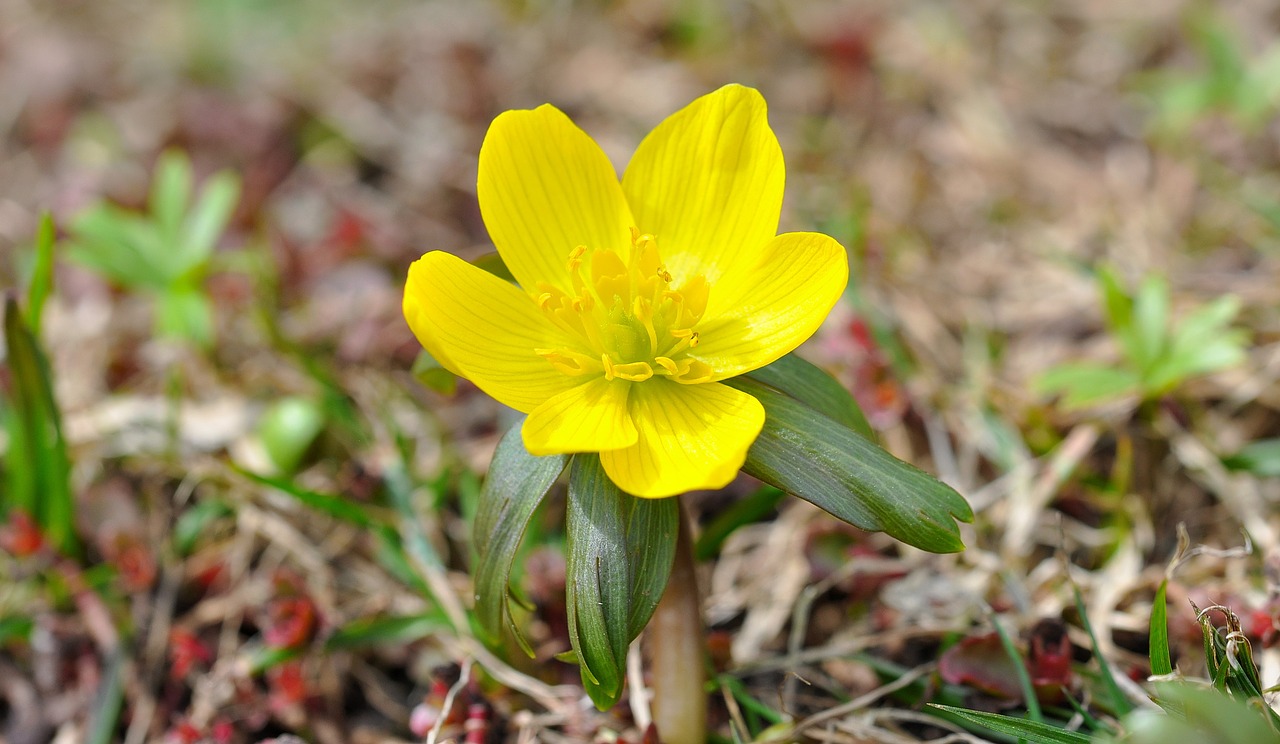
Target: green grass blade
x,y
1121,704
1033,731
1024,677
1161,662
41,275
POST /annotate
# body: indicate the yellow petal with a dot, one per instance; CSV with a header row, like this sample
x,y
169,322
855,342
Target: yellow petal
x,y
690,437
546,188
707,183
484,329
588,418
759,311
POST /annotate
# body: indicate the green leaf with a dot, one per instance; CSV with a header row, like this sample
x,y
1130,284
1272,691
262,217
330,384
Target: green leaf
x,y
517,483
1118,306
428,371
1158,649
196,521
815,388
38,470
811,456
618,555
15,627
493,263
118,245
338,507
1150,322
377,631
108,702
1211,716
41,275
208,220
1120,704
1033,731
1020,669
1084,385
288,428
170,194
1260,458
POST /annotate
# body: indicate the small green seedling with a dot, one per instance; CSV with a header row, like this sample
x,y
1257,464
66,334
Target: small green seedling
x,y
166,250
1159,355
1245,90
35,468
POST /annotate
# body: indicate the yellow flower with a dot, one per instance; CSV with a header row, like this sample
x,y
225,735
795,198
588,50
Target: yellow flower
x,y
636,298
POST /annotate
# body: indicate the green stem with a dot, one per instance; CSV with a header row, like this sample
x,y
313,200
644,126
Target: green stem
x,y
677,643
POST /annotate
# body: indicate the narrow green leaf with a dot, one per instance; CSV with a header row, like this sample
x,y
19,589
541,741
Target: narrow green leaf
x,y
1118,307
195,522
618,554
813,387
1084,384
41,274
343,509
1034,731
377,631
1020,669
170,194
811,456
109,701
517,483
1121,704
1158,648
1150,321
1260,458
39,427
1211,716
118,245
208,219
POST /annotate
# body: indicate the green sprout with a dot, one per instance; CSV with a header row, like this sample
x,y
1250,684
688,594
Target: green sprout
x,y
1158,354
166,250
1246,91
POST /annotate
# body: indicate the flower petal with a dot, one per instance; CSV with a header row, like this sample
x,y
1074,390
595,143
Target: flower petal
x,y
588,418
761,310
707,183
546,188
691,437
483,329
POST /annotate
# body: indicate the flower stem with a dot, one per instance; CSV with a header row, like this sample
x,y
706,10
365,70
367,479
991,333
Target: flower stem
x,y
676,641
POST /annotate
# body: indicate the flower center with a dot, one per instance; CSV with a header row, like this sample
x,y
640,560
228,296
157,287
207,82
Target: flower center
x,y
625,319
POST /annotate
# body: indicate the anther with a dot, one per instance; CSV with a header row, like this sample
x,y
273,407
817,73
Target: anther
x,y
664,275
693,339
575,257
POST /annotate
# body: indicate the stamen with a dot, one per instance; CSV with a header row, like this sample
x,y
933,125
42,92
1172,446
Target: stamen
x,y
575,257
569,362
633,371
693,340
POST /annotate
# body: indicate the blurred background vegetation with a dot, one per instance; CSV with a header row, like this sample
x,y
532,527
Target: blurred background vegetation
x,y
232,504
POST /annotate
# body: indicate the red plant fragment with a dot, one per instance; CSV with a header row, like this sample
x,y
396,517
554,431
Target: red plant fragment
x,y
981,662
290,622
1049,661
21,537
185,652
